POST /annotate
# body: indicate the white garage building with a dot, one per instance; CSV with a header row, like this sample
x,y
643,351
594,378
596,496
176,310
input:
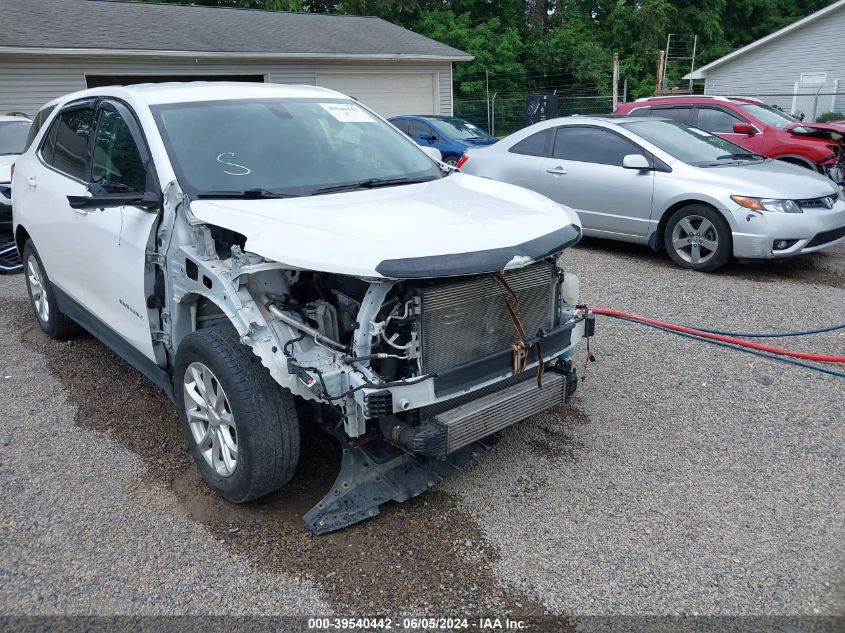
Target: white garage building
x,y
52,47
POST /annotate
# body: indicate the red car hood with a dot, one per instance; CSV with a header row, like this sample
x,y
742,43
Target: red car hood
x,y
830,131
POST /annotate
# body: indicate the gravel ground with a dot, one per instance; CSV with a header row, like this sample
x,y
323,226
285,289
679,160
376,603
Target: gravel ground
x,y
683,479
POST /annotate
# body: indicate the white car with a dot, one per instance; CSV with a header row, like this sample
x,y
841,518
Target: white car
x,y
243,244
14,129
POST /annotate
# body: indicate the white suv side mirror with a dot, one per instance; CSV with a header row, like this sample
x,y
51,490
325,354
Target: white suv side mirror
x,y
635,161
433,152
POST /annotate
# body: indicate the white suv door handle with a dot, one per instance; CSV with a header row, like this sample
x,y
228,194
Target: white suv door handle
x,y
556,171
32,182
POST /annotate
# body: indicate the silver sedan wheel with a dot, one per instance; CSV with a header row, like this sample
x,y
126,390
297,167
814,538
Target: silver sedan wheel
x,y
37,290
210,419
695,239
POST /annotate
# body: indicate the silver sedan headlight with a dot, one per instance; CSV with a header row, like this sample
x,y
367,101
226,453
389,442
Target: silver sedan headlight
x,y
773,205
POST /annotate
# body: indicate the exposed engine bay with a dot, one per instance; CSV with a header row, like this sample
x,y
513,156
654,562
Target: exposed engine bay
x,y
414,377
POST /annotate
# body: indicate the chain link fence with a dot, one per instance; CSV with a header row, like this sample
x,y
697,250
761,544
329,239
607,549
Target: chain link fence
x,y
503,116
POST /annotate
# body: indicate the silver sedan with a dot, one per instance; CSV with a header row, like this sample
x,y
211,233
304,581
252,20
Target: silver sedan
x,y
672,186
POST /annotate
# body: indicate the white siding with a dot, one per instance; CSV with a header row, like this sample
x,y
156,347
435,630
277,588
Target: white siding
x,y
776,66
27,82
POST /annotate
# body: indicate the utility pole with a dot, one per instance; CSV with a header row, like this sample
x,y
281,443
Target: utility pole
x,y
615,81
660,62
493,111
487,79
625,91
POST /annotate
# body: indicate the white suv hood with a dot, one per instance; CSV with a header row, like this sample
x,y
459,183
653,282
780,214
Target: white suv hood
x,y
456,225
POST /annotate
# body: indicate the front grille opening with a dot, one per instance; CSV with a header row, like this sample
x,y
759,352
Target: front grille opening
x,y
826,237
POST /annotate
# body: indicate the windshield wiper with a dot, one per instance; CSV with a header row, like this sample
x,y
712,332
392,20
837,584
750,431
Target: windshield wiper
x,y
369,183
246,194
741,156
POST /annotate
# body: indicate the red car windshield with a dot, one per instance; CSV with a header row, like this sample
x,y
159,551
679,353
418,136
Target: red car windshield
x,y
769,115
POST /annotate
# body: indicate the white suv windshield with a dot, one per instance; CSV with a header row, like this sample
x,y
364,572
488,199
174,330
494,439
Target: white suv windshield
x,y
13,136
687,143
286,146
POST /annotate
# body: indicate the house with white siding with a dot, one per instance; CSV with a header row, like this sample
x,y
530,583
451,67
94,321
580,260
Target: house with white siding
x,y
49,48
800,68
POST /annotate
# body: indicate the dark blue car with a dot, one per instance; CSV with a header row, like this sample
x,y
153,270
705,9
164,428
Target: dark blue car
x,y
449,134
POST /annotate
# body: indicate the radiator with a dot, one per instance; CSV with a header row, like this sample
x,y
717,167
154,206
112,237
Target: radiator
x,y
465,320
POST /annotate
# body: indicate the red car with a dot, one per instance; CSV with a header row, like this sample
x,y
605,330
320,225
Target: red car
x,y
755,126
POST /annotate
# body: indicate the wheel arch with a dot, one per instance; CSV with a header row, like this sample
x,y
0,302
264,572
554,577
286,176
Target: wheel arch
x,y
656,238
21,236
799,161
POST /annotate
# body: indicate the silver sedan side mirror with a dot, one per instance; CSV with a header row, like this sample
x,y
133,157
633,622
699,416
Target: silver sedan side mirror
x,y
636,161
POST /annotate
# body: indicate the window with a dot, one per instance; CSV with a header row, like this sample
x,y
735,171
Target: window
x,y
535,145
769,115
13,136
687,143
402,124
592,145
417,128
289,146
117,161
37,124
674,113
66,146
716,121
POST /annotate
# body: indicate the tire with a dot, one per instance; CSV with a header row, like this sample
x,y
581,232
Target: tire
x,y
42,298
692,248
451,160
256,418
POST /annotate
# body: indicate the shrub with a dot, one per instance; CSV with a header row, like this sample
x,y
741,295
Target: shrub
x,y
830,116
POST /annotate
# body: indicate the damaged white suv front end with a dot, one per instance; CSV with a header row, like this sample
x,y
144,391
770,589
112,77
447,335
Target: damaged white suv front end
x,y
422,310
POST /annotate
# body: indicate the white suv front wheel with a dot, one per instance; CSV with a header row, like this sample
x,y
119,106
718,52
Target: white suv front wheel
x,y
241,426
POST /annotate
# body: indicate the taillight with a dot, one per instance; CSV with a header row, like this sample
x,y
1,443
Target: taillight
x,y
462,161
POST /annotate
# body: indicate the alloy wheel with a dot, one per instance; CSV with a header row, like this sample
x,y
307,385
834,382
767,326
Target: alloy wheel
x,y
37,290
210,419
695,239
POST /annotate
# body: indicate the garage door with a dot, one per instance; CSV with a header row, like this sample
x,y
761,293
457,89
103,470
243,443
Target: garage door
x,y
388,94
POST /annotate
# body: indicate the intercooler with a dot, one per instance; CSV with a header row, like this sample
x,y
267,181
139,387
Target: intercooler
x,y
466,320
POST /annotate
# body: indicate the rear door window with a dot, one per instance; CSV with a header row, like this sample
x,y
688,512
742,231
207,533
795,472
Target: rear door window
x,y
402,124
592,145
66,146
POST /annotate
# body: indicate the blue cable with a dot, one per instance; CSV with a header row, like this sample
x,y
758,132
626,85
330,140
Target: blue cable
x,y
758,335
756,352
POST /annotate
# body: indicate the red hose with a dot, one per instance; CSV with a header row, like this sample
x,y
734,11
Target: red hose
x,y
823,358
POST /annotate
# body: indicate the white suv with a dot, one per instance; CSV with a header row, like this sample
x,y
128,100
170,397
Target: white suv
x,y
244,244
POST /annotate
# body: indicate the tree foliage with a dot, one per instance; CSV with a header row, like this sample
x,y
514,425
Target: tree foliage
x,y
564,45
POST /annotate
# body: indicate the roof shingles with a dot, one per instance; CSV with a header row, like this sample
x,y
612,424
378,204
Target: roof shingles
x,y
134,26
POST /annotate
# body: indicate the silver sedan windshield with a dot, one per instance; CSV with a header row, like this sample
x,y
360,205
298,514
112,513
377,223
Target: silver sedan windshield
x,y
285,146
687,143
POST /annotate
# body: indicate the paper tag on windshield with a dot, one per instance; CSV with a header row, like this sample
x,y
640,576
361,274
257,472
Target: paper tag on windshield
x,y
347,112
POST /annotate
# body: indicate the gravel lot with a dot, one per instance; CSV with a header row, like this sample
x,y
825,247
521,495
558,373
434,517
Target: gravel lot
x,y
683,479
